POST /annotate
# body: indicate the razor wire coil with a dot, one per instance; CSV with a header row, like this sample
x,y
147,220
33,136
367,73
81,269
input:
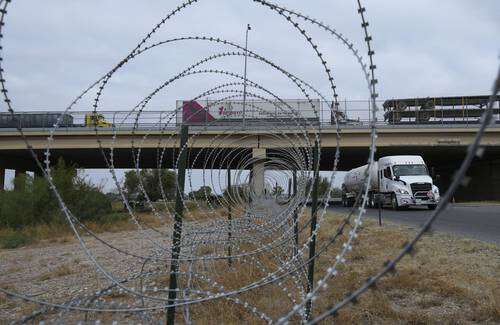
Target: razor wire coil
x,y
261,229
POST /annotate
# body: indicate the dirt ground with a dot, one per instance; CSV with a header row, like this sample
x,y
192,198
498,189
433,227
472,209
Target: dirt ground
x,y
449,280
58,271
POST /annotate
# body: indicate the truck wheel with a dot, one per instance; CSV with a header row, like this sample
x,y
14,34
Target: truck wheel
x,y
394,202
431,206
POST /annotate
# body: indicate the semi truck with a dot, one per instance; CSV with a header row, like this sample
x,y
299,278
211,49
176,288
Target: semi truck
x,y
397,181
28,120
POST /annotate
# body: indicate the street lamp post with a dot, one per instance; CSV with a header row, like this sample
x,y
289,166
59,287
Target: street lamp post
x,y
245,75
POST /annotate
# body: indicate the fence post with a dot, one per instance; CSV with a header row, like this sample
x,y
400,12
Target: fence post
x,y
229,217
379,204
290,184
312,244
176,236
295,215
289,188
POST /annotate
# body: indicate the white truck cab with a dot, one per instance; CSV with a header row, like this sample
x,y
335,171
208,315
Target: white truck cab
x,y
405,181
399,181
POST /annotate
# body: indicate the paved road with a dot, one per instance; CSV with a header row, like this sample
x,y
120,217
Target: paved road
x,y
478,221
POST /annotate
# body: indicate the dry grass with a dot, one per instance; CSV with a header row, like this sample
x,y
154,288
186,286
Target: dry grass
x,y
57,272
206,213
450,280
4,301
270,299
59,233
145,219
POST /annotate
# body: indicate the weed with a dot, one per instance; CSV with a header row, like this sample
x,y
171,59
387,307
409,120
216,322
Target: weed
x,y
57,272
13,239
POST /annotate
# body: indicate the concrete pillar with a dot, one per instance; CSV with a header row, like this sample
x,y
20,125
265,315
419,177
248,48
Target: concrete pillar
x,y
258,169
2,179
20,172
17,174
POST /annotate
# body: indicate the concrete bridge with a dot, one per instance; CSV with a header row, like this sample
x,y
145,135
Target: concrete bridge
x,y
442,146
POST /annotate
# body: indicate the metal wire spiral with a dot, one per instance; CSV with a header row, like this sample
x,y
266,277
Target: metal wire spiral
x,y
260,235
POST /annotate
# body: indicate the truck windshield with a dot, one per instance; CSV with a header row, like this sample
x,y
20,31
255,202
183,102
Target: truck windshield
x,y
409,170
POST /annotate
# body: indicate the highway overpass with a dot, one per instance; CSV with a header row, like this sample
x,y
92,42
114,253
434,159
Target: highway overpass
x,y
442,146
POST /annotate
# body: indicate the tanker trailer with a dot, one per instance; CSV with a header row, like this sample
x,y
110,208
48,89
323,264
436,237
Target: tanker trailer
x,y
354,182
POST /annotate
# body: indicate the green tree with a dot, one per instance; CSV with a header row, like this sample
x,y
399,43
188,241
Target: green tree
x,y
277,190
323,186
153,181
202,194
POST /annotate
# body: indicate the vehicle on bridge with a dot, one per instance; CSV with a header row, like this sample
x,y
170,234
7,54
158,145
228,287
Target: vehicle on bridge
x,y
437,110
230,112
398,181
96,120
49,119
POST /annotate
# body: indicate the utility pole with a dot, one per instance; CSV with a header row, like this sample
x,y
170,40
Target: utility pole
x,y
245,75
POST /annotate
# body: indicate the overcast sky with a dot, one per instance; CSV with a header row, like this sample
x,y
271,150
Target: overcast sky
x,y
54,49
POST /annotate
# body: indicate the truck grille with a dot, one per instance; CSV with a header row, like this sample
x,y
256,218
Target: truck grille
x,y
420,189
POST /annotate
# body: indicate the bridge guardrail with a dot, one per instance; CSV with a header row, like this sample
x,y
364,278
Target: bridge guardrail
x,y
350,114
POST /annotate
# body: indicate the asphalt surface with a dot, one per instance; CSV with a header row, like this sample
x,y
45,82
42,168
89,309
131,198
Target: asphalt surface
x,y
478,221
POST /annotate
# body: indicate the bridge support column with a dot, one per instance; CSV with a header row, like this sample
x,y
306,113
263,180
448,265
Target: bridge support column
x,y
2,179
19,174
259,156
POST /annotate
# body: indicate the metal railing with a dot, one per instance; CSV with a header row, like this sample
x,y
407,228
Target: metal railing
x,y
350,114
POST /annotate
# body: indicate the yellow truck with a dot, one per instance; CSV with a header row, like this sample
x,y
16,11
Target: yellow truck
x,y
96,120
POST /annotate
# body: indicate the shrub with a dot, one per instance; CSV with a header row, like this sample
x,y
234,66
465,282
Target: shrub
x,y
13,239
32,202
16,207
91,205
113,217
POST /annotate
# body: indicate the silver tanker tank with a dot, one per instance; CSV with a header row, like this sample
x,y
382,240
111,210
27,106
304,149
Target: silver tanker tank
x,y
355,178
